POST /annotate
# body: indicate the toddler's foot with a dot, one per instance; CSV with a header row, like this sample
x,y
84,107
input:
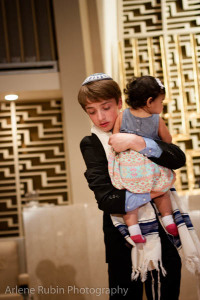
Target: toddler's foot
x,y
138,238
136,234
169,224
172,229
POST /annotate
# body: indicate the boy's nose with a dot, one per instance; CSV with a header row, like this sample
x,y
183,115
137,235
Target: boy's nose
x,y
100,115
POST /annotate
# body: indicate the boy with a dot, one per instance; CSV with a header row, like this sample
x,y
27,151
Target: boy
x,y
100,97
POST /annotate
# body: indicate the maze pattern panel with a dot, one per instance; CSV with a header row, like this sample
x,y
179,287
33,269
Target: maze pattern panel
x,y
39,154
141,16
136,55
147,16
182,14
8,198
41,151
183,109
163,39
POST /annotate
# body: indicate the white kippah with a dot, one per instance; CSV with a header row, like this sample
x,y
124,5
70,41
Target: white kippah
x,y
96,77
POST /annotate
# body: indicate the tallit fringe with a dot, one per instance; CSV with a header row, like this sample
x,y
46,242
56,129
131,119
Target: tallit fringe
x,y
147,266
152,286
192,264
159,286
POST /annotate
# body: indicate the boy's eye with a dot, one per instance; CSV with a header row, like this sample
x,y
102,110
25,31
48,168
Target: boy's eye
x,y
90,112
106,107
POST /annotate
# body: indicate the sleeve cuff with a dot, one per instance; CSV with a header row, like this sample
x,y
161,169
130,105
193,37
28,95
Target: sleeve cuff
x,y
152,149
134,201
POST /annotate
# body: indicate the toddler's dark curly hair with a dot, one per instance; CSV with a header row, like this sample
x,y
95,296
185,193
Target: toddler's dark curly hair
x,y
141,88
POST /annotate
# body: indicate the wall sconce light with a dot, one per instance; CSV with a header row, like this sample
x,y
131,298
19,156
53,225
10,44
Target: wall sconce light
x,y
11,97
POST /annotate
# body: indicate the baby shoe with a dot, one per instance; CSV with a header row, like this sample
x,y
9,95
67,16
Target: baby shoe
x,y
172,229
138,238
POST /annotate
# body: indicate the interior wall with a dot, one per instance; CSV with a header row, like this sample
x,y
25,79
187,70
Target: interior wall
x,y
72,73
30,85
107,12
81,52
91,36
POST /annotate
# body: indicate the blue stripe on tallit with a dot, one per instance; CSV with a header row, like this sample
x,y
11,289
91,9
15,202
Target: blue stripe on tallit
x,y
182,219
187,221
149,227
123,229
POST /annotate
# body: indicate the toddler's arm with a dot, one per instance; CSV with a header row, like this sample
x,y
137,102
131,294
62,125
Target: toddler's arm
x,y
163,132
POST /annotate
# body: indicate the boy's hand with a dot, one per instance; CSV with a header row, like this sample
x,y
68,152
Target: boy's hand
x,y
124,141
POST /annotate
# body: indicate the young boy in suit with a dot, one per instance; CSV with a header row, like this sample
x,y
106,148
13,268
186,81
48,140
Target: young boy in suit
x,y
100,97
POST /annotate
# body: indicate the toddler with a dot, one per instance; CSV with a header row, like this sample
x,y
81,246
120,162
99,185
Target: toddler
x,y
129,170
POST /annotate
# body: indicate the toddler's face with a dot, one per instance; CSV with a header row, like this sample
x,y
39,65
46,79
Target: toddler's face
x,y
156,106
104,113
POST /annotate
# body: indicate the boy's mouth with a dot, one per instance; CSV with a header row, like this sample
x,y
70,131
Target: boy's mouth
x,y
104,124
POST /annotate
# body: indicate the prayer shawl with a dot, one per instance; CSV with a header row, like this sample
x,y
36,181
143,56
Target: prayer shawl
x,y
147,256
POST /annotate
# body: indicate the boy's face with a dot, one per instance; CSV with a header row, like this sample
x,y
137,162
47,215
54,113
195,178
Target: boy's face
x,y
104,113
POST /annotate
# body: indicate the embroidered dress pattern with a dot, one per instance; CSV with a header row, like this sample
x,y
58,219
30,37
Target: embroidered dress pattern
x,y
132,171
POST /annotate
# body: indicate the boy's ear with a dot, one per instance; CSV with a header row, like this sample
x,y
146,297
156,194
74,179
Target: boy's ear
x,y
149,101
120,103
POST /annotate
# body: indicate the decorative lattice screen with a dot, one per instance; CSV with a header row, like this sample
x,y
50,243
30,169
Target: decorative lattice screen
x,y
162,38
32,158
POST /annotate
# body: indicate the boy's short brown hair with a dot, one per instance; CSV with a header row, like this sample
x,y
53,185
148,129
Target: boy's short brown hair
x,y
97,91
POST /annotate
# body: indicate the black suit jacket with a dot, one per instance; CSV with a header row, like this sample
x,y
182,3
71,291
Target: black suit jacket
x,y
110,199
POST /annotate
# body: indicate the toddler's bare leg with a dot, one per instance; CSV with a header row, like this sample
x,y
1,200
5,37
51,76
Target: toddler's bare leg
x,y
131,217
131,220
164,206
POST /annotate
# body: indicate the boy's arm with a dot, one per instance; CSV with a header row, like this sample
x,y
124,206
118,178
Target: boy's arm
x,y
163,132
172,156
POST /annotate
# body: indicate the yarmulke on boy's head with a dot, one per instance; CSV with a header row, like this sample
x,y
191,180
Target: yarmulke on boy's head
x,y
98,87
96,77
